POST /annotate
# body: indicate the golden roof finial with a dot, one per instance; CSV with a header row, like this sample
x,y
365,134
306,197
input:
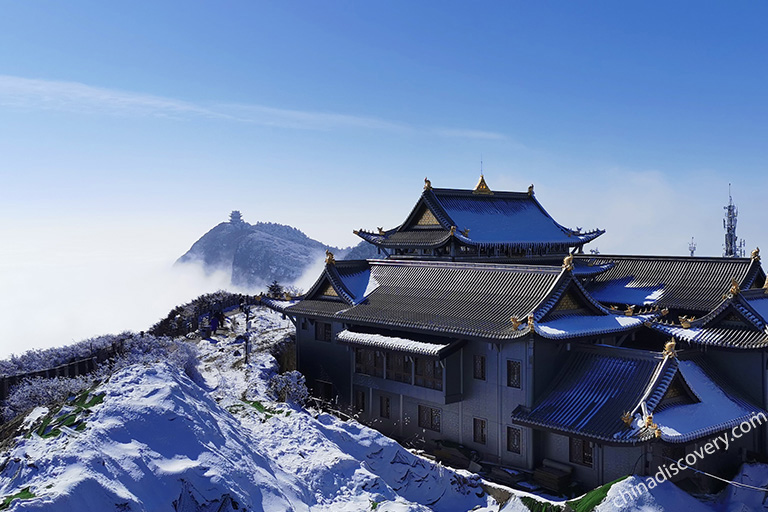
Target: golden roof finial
x,y
765,285
568,262
515,322
482,187
669,348
453,230
630,310
685,321
649,420
427,184
530,190
734,287
465,232
329,259
756,254
627,419
531,320
381,230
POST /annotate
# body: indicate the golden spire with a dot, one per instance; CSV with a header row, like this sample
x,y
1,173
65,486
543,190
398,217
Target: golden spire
x,y
482,187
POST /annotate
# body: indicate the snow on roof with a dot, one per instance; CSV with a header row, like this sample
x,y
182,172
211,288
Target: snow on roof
x,y
502,218
695,284
358,282
390,343
761,306
581,325
716,411
277,304
626,291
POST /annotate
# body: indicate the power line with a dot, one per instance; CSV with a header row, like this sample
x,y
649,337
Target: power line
x,y
730,482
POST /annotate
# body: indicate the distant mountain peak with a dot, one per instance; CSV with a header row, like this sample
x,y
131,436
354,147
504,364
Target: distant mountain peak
x,y
257,254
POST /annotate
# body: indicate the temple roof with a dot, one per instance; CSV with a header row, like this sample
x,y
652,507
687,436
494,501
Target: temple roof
x,y
479,217
398,344
462,300
682,283
584,399
738,322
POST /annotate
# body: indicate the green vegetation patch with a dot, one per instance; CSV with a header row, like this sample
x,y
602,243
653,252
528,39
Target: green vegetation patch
x,y
268,412
24,494
70,415
593,498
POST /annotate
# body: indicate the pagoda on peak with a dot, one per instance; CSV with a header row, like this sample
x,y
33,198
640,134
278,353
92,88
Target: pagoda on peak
x,y
478,224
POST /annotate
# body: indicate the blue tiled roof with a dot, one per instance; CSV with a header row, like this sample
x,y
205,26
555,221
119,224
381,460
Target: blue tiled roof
x,y
718,409
682,283
501,219
717,328
459,299
586,399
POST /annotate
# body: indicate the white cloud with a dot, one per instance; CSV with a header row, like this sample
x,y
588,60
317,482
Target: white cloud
x,y
471,134
28,93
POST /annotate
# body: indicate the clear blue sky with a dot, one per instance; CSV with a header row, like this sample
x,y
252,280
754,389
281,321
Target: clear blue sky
x,y
134,127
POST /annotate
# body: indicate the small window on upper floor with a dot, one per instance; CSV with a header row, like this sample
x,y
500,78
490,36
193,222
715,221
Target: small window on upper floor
x,y
479,367
323,331
513,373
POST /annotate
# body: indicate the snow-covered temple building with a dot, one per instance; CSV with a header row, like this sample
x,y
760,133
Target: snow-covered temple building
x,y
485,325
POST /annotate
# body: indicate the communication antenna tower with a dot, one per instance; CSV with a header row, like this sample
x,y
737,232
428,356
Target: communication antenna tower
x,y
733,247
692,247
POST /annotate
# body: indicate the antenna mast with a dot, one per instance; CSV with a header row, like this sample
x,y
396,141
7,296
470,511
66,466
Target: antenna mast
x,y
692,247
733,247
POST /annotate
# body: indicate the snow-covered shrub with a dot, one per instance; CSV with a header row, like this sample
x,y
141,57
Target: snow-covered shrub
x,y
289,387
43,359
128,349
31,393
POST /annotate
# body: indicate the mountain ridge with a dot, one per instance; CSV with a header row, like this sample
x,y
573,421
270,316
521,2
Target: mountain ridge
x,y
257,254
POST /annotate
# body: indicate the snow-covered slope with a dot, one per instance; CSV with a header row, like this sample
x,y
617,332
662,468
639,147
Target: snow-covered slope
x,y
155,440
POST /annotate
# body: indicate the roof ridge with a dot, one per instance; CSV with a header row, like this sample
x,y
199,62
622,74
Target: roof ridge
x,y
471,265
661,257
